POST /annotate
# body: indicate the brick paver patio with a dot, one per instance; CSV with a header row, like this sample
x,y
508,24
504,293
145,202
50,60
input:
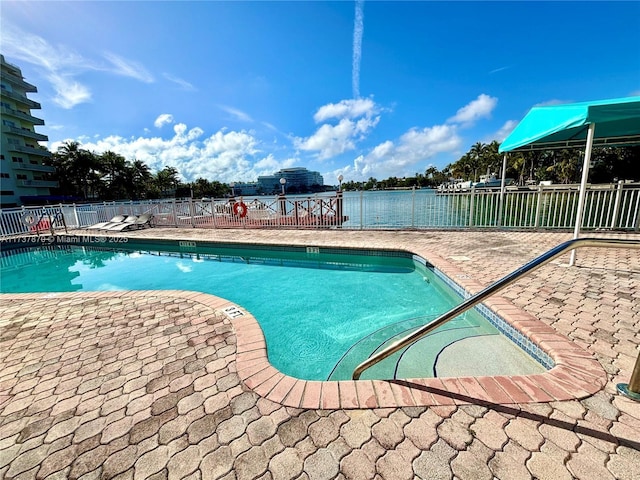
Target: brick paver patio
x,y
160,385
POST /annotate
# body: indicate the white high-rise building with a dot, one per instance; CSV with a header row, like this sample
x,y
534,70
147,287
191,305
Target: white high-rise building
x,y
21,170
298,178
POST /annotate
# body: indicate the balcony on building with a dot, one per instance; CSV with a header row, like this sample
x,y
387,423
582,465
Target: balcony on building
x,y
10,112
34,167
25,132
22,99
17,81
40,152
38,183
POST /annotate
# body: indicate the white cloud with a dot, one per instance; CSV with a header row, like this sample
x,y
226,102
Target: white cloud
x,y
224,156
59,64
183,135
62,66
496,70
505,130
346,109
69,93
481,107
356,118
552,102
128,68
332,140
163,119
237,114
358,29
270,164
403,157
36,50
182,83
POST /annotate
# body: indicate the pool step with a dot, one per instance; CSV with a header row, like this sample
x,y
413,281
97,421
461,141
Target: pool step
x,y
417,360
488,355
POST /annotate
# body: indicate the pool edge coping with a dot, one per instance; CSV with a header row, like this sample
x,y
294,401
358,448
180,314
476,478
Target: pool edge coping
x,y
577,374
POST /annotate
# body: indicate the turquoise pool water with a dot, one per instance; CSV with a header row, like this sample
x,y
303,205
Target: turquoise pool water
x,y
322,313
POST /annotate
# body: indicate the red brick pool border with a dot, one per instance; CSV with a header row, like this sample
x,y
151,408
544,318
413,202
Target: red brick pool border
x,y
577,374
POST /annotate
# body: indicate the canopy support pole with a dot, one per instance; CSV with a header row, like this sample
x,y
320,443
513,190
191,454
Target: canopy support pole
x,y
502,187
583,187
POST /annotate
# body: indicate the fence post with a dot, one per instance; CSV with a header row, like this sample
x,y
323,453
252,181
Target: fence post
x,y
175,216
20,220
500,207
51,230
503,182
616,205
413,206
64,222
536,220
213,215
361,211
75,215
192,213
339,208
472,205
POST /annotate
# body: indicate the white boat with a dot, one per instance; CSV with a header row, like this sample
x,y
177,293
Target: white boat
x,y
455,186
492,181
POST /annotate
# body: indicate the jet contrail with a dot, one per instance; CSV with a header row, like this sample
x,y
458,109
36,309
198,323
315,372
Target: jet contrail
x,y
358,27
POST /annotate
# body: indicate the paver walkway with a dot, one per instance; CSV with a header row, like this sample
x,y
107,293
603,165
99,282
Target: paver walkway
x,y
145,385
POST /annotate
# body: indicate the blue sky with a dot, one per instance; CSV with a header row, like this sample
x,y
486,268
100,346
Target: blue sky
x,y
232,90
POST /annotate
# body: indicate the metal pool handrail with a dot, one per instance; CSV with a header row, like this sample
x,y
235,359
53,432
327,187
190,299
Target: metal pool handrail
x,y
490,290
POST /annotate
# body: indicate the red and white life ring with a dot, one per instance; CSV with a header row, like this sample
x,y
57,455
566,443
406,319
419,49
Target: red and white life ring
x,y
240,209
29,219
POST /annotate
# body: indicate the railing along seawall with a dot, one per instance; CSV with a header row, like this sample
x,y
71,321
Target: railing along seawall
x,y
607,206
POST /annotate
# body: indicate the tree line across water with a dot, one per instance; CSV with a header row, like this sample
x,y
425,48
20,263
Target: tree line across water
x,y
608,164
84,175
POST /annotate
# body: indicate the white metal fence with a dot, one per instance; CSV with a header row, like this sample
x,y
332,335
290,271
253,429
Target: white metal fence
x,y
610,206
607,206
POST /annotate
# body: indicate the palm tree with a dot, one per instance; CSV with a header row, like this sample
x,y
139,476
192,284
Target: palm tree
x,y
202,188
476,156
141,177
76,168
492,158
166,180
463,168
568,170
117,178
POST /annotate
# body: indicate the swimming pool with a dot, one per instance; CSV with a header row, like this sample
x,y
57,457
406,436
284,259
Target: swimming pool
x,y
322,310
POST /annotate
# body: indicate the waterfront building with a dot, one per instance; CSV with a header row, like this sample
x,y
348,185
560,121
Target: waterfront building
x,y
246,188
298,179
23,176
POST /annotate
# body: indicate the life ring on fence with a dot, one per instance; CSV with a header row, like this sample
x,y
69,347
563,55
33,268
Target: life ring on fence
x,y
29,219
240,209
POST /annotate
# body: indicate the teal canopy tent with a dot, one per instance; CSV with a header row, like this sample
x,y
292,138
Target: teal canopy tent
x,y
613,122
566,126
